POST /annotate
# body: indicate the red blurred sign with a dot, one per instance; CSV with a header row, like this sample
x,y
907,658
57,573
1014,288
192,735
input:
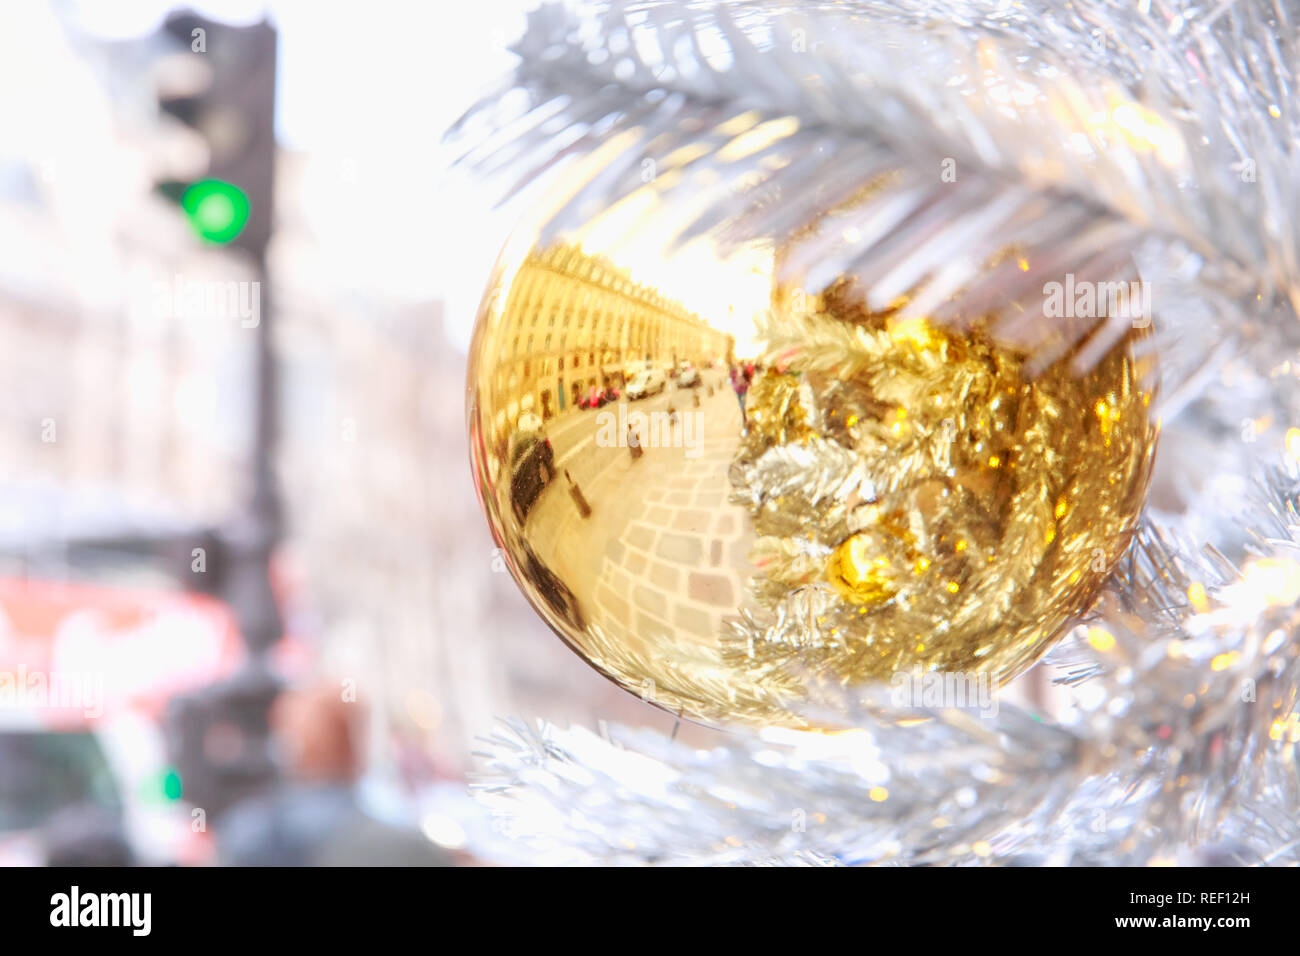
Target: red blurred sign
x,y
72,652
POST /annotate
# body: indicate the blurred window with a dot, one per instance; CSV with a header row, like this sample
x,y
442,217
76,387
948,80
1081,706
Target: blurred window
x,y
42,773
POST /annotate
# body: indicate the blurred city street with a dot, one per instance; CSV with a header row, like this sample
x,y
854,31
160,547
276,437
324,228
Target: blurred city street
x,y
234,307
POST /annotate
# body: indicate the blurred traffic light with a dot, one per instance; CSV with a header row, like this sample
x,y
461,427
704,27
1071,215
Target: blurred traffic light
x,y
217,210
220,740
234,113
220,736
171,785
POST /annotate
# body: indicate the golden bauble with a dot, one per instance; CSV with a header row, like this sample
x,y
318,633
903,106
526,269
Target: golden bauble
x,y
895,495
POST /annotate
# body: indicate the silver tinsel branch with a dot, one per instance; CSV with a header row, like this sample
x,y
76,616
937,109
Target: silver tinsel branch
x,y
1095,133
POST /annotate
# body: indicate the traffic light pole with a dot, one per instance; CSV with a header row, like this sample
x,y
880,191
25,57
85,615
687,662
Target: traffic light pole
x,y
251,540
236,116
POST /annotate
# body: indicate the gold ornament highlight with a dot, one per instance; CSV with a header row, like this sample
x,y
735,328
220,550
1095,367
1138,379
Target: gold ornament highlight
x,y
718,516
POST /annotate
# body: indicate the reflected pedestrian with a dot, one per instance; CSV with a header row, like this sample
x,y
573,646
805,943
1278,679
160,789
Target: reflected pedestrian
x,y
740,380
579,498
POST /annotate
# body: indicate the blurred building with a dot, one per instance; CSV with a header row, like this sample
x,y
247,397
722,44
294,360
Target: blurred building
x,y
126,374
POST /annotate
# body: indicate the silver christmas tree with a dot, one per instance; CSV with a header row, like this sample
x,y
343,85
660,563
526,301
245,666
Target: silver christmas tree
x,y
1094,134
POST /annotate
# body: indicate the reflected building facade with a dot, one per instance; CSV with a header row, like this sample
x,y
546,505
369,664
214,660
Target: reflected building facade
x,y
574,322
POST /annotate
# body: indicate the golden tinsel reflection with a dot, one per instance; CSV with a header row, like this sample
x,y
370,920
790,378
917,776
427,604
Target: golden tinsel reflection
x,y
962,512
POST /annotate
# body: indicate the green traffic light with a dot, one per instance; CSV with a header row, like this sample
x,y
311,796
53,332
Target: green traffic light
x,y
172,785
217,210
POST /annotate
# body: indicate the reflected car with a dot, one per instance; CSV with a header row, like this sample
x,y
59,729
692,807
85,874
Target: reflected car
x,y
554,592
532,466
688,378
648,382
598,399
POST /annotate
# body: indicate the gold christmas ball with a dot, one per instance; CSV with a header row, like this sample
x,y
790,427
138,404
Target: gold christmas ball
x,y
717,505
